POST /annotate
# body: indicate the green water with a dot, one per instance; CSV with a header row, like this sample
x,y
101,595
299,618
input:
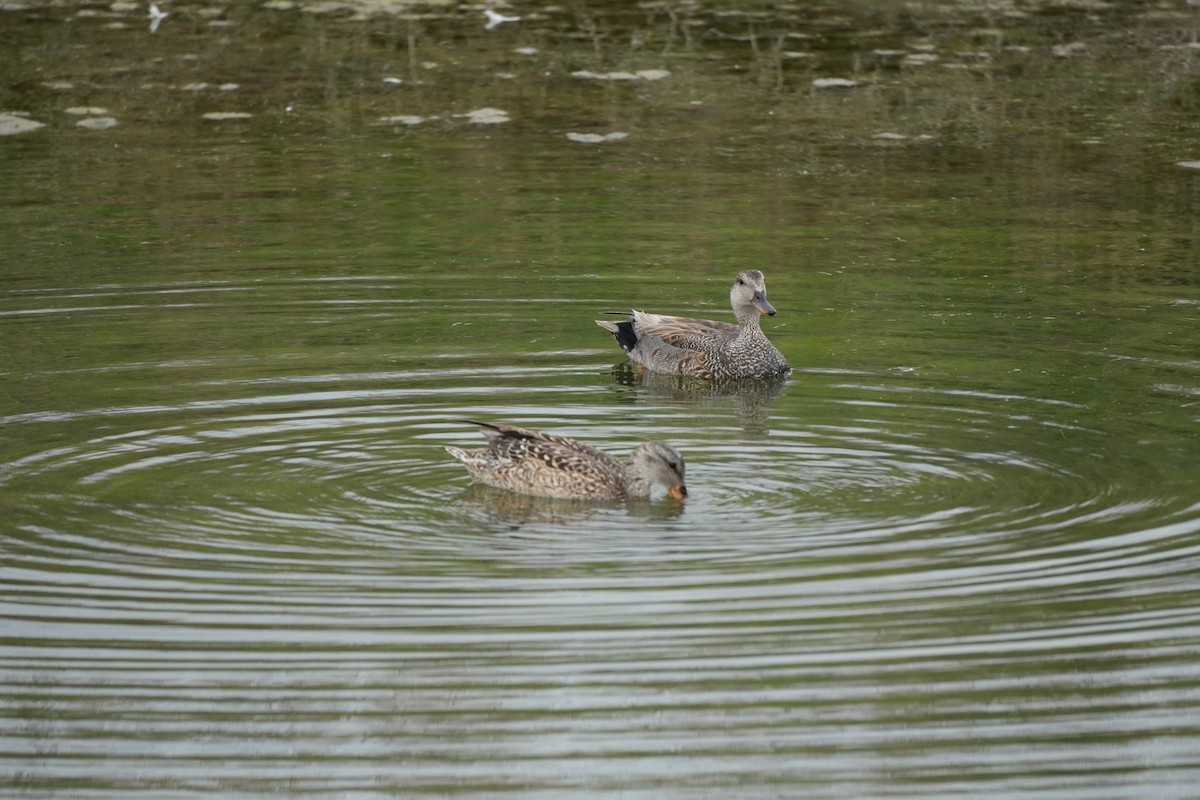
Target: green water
x,y
955,553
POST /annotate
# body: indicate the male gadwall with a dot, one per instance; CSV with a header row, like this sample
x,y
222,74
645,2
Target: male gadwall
x,y
532,462
705,348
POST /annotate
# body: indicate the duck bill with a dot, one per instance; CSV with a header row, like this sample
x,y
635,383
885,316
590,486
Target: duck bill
x,y
678,492
760,302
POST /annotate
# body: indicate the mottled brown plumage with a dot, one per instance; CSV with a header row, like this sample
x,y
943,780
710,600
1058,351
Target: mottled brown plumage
x,y
705,348
536,463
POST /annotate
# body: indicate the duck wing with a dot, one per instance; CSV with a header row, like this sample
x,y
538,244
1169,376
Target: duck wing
x,y
685,333
549,451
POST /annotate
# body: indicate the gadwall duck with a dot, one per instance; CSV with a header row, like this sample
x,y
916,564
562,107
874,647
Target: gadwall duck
x,y
536,463
703,348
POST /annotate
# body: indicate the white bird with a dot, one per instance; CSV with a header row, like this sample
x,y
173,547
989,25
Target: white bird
x,y
157,15
494,19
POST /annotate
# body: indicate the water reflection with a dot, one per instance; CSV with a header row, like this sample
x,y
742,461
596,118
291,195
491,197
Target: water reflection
x,y
750,398
499,510
294,543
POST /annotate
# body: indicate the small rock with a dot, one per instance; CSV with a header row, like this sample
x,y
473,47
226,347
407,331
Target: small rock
x,y
403,119
834,83
1068,50
96,123
597,138
642,74
486,116
12,123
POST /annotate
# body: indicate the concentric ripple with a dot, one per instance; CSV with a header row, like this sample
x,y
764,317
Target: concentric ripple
x,y
284,580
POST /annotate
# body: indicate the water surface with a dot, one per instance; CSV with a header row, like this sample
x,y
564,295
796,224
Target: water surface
x,y
955,553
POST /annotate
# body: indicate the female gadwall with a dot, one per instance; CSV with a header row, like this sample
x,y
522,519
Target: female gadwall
x,y
704,348
532,462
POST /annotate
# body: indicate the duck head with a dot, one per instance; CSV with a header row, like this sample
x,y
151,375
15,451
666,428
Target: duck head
x,y
748,295
657,462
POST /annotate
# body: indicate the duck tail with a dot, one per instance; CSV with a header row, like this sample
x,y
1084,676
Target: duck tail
x,y
623,332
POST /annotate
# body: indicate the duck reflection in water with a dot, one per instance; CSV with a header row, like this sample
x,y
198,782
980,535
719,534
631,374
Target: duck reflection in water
x,y
752,398
511,513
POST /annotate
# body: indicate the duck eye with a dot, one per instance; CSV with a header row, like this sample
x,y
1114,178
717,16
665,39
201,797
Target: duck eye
x,y
741,282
